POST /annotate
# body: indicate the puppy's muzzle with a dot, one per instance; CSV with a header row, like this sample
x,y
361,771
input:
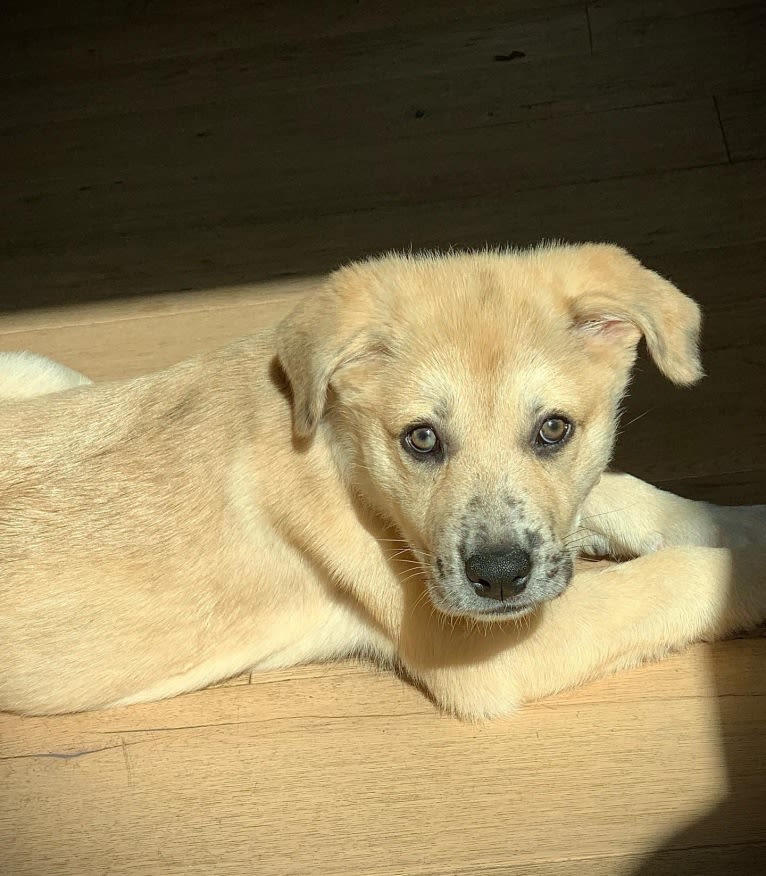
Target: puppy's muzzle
x,y
500,573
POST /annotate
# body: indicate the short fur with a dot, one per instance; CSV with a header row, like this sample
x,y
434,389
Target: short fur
x,y
256,508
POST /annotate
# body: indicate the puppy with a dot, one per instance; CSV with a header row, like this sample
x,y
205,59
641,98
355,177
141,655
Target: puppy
x,y
404,469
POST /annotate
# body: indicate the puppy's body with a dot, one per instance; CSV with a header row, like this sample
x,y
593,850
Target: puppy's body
x,y
166,532
157,533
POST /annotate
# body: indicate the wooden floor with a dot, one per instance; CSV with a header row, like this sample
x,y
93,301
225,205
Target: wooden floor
x,y
175,174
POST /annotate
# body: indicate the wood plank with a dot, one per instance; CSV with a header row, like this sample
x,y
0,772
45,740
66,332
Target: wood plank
x,y
336,98
274,296
652,23
181,21
410,46
743,117
667,759
146,343
111,173
653,214
705,861
730,670
744,487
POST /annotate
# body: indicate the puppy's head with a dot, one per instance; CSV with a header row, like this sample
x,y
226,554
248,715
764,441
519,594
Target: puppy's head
x,y
471,400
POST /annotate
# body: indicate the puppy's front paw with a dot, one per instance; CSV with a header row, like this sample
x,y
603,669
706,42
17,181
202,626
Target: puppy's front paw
x,y
620,544
625,518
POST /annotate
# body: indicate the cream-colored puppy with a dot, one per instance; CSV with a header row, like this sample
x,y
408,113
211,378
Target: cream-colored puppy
x,y
404,469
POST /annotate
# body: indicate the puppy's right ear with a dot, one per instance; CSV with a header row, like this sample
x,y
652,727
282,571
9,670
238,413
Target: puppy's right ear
x,y
619,300
328,331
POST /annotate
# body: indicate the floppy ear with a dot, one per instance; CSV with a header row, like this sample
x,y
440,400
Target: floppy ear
x,y
326,332
620,300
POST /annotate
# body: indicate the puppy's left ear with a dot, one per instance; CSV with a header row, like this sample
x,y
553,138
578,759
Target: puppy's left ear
x,y
619,300
334,328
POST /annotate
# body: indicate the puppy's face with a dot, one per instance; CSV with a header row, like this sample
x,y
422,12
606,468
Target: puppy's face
x,y
473,403
481,446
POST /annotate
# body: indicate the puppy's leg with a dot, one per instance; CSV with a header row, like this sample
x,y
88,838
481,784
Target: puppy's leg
x,y
26,375
608,619
624,517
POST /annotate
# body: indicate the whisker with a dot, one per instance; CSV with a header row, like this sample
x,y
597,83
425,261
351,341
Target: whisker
x,y
421,600
573,536
605,513
404,550
630,422
413,573
578,539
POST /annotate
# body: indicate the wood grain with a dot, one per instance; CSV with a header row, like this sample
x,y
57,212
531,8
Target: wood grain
x,y
744,124
138,253
78,173
371,779
653,23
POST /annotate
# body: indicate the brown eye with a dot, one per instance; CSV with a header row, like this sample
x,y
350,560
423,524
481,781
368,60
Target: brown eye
x,y
422,442
554,430
423,439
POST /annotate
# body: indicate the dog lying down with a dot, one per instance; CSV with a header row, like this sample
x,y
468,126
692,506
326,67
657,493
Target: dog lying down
x,y
404,469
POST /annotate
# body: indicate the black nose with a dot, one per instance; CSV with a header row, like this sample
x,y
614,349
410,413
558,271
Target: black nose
x,y
501,573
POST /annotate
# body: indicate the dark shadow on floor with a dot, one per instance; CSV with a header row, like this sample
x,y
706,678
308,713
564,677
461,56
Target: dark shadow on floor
x,y
153,148
722,841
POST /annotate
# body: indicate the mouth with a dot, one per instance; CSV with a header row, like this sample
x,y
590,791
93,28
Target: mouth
x,y
465,604
499,612
505,609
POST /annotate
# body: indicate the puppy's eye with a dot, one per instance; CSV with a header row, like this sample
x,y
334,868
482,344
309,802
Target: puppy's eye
x,y
553,430
422,440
